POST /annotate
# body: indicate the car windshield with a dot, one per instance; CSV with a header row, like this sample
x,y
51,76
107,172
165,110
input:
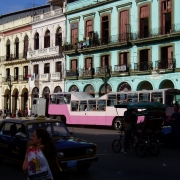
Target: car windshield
x,y
55,129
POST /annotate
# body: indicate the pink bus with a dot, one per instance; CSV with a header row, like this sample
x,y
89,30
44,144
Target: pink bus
x,y
83,109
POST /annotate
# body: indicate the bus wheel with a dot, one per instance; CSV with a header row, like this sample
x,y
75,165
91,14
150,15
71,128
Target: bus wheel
x,y
118,123
58,117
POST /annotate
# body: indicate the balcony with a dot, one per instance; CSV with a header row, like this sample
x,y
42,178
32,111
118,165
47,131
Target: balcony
x,y
120,40
57,76
12,57
143,67
44,77
16,78
165,65
121,70
72,74
86,73
48,15
40,53
103,71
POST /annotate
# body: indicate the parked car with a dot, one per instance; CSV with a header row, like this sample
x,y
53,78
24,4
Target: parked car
x,y
15,137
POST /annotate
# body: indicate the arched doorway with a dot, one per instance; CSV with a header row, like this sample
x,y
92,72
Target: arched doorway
x,y
24,100
102,90
6,99
144,85
57,89
73,88
35,92
124,87
89,89
46,92
166,84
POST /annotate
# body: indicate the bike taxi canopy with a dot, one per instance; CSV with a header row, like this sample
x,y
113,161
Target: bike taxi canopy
x,y
140,105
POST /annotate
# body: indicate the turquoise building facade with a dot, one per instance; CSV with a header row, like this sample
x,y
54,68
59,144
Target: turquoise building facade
x,y
122,45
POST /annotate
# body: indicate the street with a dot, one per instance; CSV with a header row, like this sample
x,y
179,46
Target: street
x,y
111,166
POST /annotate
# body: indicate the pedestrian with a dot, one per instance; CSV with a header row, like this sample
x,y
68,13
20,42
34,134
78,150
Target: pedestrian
x,y
130,120
16,113
41,140
29,112
175,127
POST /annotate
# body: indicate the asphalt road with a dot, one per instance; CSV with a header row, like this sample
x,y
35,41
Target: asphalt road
x,y
111,166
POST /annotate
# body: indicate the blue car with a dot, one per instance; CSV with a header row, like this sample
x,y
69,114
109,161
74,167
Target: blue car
x,y
15,137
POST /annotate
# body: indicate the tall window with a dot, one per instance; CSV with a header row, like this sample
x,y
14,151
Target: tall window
x,y
105,61
124,25
59,37
105,29
144,21
7,73
16,73
8,50
36,41
16,48
74,33
46,68
166,8
167,57
88,27
144,60
58,66
25,72
36,70
123,59
88,63
74,65
26,44
47,39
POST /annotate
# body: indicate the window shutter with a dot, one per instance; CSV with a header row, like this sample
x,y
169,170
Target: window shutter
x,y
124,21
103,61
121,60
170,53
74,65
88,63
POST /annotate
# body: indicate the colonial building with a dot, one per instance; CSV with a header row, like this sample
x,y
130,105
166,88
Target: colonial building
x,y
15,39
45,51
122,45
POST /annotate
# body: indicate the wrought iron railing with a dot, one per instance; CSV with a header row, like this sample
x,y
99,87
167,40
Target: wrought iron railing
x,y
72,72
12,57
143,66
86,72
166,64
16,78
102,71
121,68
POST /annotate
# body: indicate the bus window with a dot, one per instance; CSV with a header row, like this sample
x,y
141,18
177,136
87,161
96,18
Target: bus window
x,y
53,99
157,97
92,105
68,98
74,105
111,100
101,105
132,97
83,106
60,98
145,97
121,98
34,101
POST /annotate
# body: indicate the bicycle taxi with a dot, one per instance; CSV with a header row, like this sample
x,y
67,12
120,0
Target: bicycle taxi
x,y
150,119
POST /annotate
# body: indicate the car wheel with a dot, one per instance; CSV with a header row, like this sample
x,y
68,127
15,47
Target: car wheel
x,y
118,123
83,167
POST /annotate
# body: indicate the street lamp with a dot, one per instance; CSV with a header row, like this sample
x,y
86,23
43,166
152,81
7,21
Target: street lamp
x,y
10,87
106,78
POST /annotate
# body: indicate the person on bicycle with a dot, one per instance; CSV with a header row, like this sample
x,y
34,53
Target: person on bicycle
x,y
130,119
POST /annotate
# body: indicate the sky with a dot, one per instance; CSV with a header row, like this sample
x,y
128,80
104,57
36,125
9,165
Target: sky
x,y
8,6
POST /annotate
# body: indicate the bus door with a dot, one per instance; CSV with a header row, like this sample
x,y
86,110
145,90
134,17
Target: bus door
x,y
82,111
91,112
101,112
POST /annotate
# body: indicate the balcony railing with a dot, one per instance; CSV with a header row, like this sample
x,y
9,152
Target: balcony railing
x,y
121,68
56,76
48,15
102,71
86,72
16,78
70,73
44,77
12,57
42,52
166,64
143,66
